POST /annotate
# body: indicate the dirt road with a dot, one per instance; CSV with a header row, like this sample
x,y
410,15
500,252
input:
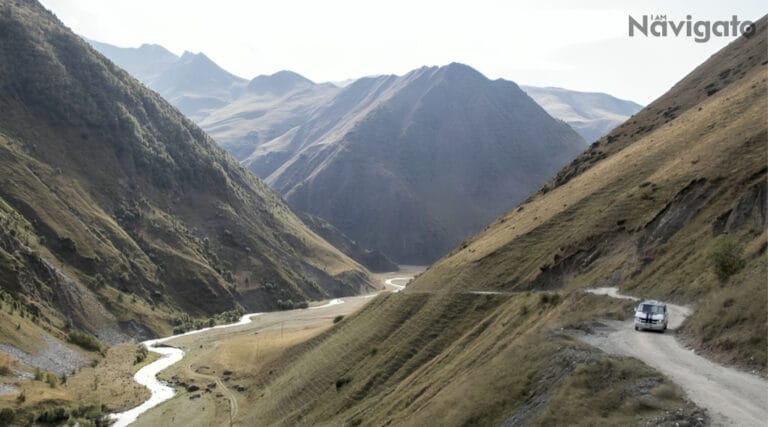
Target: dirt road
x,y
732,397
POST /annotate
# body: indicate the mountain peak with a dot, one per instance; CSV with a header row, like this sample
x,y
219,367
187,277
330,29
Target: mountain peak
x,y
278,83
189,56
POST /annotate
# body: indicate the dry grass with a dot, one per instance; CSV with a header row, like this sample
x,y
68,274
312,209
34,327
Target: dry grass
x,y
110,382
589,231
242,354
414,359
608,392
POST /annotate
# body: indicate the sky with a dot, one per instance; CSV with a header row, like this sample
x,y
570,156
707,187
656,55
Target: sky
x,y
542,43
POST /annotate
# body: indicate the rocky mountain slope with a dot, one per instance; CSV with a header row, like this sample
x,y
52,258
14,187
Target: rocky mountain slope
x,y
591,114
119,213
411,165
670,205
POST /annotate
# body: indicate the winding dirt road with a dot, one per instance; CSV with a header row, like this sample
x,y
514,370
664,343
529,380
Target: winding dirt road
x,y
732,397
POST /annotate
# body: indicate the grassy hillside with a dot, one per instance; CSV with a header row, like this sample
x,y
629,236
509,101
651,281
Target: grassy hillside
x,y
117,212
655,215
646,207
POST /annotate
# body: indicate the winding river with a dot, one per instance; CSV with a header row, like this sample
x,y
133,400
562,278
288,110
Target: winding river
x,y
147,376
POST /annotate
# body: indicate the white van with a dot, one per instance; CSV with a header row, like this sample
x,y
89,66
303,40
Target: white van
x,y
651,315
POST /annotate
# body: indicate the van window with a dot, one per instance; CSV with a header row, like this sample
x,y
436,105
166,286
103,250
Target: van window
x,y
652,309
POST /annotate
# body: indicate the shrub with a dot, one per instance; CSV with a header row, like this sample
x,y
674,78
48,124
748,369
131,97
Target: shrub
x,y
85,341
4,371
338,319
6,416
141,353
53,415
52,380
727,258
546,298
341,382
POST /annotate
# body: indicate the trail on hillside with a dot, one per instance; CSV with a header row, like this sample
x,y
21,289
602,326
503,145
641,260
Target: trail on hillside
x,y
732,397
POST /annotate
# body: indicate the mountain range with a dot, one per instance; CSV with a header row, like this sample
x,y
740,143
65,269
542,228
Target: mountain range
x,y
591,114
193,83
399,164
118,213
411,165
487,334
270,125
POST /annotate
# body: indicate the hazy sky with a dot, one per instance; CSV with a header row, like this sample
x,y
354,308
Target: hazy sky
x,y
543,43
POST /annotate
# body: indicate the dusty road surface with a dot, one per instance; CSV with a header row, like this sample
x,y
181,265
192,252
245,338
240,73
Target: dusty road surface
x,y
733,397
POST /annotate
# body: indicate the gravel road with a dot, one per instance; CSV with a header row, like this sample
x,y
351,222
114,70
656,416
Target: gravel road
x,y
732,397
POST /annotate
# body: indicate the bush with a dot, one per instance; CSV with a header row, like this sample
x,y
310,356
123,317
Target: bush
x,y
727,258
341,382
6,416
4,371
338,319
52,380
85,341
546,298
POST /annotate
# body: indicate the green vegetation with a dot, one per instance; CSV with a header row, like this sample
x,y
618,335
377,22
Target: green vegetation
x,y
141,353
727,257
184,322
290,305
51,379
6,416
338,319
57,414
85,340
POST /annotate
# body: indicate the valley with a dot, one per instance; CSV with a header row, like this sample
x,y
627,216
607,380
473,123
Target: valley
x,y
182,246
257,338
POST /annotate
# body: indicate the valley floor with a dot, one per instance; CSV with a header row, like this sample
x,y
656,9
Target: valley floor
x,y
213,362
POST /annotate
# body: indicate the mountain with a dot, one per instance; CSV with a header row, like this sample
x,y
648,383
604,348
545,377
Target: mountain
x,y
270,107
196,85
279,83
193,83
373,260
485,335
145,62
591,114
119,214
412,165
